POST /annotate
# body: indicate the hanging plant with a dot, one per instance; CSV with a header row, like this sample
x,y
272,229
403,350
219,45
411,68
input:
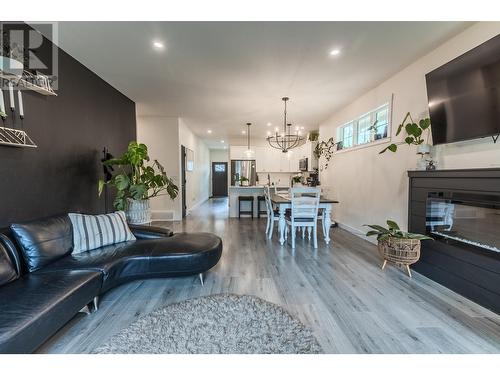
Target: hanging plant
x,y
326,149
414,132
313,136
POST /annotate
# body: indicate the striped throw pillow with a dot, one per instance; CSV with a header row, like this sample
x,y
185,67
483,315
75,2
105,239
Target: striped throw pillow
x,y
94,231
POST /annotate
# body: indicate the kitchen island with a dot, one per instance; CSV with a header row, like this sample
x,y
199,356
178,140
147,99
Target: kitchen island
x,y
236,191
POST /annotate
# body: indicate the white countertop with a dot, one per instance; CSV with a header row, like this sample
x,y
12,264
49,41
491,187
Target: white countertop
x,y
255,187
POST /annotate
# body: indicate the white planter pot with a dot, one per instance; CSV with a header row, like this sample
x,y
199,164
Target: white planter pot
x,y
424,149
138,211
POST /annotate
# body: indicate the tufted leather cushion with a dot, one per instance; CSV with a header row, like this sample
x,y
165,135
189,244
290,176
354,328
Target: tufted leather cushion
x,y
8,272
44,241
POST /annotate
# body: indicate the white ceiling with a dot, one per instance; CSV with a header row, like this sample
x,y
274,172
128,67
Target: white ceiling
x,y
220,75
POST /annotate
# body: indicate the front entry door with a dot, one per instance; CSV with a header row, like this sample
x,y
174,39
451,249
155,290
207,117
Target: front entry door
x,y
219,179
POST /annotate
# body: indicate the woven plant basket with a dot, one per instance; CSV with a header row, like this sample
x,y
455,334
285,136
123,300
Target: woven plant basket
x,y
402,251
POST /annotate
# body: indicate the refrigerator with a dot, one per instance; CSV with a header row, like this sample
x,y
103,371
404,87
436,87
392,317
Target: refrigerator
x,y
243,168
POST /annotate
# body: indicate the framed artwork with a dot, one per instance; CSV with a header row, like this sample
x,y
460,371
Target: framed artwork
x,y
189,160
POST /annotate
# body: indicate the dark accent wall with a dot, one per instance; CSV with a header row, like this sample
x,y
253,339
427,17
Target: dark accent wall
x,y
471,272
71,130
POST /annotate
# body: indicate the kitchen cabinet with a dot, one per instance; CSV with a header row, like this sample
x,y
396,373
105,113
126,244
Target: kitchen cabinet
x,y
240,153
269,160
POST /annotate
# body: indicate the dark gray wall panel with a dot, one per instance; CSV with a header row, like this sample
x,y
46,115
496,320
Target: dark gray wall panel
x,y
70,130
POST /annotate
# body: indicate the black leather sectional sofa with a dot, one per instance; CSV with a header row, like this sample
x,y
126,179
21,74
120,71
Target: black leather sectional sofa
x,y
43,285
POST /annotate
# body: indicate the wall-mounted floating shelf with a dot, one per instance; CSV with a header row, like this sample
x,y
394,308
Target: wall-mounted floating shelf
x,y
23,82
15,138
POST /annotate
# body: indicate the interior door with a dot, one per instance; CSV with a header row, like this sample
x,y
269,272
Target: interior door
x,y
219,179
183,180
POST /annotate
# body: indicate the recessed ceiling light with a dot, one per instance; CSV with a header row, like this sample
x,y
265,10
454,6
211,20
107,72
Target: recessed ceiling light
x,y
243,132
158,45
269,124
221,141
335,52
209,131
297,128
276,128
301,128
268,133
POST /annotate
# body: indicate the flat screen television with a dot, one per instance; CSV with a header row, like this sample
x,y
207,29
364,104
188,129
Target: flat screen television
x,y
464,95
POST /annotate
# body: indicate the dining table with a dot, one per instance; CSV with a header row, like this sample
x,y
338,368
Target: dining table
x,y
283,202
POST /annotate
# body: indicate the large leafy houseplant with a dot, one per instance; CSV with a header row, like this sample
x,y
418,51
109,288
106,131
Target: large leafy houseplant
x,y
136,180
414,132
393,231
397,246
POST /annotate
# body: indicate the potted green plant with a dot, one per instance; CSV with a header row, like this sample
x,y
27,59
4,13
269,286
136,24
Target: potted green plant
x,y
244,181
396,246
297,180
136,182
414,135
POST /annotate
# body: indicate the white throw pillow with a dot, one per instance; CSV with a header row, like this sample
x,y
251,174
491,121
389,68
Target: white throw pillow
x,y
94,231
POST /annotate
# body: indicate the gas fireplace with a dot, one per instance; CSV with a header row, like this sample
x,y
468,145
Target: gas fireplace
x,y
460,210
465,219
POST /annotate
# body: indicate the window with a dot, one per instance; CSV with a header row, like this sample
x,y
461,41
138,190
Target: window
x,y
220,167
370,127
364,130
346,135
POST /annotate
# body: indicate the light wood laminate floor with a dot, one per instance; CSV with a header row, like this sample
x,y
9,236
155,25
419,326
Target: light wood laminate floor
x,y
338,290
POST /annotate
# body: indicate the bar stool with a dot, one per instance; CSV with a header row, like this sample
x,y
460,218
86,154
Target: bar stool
x,y
245,198
261,198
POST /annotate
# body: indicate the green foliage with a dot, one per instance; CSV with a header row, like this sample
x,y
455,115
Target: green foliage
x,y
313,136
297,179
393,231
326,149
137,180
243,179
414,132
3,115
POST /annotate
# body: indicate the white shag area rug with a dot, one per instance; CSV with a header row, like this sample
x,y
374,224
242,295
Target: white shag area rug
x,y
224,323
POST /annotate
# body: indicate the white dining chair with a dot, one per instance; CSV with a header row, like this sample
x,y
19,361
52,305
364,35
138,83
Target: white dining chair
x,y
272,215
304,212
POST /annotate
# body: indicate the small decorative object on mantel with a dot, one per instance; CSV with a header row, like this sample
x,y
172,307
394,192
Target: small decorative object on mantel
x,y
396,246
431,165
137,182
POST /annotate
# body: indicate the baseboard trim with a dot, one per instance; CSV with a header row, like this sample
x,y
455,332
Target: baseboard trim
x,y
357,233
197,205
162,215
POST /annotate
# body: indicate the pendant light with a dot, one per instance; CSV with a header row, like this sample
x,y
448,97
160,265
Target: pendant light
x,y
249,151
287,140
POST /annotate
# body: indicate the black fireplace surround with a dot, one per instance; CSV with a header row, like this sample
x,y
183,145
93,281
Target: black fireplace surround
x,y
460,209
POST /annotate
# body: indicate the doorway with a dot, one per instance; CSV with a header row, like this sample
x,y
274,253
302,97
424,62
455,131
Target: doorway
x,y
183,180
219,179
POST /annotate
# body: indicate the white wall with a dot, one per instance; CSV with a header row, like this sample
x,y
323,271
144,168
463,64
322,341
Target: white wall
x,y
198,181
161,135
371,187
